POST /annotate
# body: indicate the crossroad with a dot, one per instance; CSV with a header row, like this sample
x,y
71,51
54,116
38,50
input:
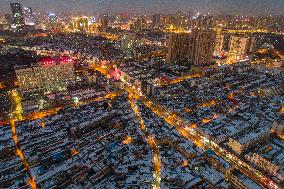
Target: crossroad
x,y
199,138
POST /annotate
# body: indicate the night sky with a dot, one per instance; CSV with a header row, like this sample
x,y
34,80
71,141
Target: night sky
x,y
241,7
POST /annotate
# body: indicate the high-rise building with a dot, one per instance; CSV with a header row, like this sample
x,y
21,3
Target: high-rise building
x,y
178,46
104,23
28,16
49,75
219,44
52,22
196,47
17,13
156,20
241,45
202,48
94,27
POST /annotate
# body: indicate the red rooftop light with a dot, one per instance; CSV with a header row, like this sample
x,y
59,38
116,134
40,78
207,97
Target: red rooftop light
x,y
66,59
47,61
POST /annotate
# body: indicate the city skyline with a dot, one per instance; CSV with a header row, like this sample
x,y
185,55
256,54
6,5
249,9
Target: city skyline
x,y
253,7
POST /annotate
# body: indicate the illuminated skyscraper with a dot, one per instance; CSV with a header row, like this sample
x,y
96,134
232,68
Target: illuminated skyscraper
x,y
80,23
17,13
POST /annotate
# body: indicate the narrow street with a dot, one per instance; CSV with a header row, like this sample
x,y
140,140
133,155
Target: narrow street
x,y
152,143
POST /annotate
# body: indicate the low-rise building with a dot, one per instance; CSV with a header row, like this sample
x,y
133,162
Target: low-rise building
x,y
247,139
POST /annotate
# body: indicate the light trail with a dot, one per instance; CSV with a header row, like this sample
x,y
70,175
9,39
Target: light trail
x,y
17,114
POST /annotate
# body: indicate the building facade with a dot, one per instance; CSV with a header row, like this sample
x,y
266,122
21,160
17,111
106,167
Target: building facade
x,y
241,45
178,46
220,43
201,51
197,47
46,76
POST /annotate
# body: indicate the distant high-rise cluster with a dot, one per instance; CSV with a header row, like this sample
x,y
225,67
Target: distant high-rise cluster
x,y
88,24
139,23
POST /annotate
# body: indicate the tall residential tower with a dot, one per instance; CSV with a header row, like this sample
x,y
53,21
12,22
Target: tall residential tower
x,y
196,47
